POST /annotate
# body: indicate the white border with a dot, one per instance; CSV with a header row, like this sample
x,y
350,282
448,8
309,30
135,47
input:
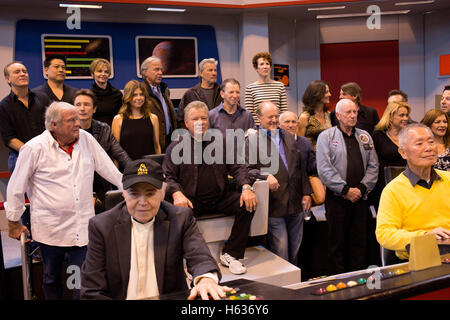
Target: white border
x,y
138,67
77,36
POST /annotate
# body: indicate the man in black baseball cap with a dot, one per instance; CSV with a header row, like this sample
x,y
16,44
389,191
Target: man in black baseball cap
x,y
135,249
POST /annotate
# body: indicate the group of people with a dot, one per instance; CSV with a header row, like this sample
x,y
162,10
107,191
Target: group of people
x,y
135,250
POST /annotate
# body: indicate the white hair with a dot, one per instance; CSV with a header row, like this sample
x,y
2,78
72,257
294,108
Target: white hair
x,y
341,103
195,105
202,63
149,61
403,134
285,114
53,113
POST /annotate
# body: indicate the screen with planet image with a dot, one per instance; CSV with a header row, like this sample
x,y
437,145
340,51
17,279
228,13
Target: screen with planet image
x,y
80,51
178,54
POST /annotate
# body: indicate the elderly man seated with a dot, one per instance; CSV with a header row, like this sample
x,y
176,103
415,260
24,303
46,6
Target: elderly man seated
x,y
415,202
135,249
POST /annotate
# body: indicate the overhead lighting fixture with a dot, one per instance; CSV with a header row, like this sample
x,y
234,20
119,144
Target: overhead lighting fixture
x,y
165,9
326,8
85,6
413,2
349,15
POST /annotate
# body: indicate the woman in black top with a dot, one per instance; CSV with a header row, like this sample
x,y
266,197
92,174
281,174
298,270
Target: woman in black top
x,y
109,99
385,139
135,127
438,120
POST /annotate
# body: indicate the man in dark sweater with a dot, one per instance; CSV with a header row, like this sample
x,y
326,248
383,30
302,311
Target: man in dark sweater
x,y
207,91
203,186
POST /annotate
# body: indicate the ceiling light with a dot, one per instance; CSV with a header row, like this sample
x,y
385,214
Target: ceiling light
x,y
413,2
326,8
349,15
86,6
166,9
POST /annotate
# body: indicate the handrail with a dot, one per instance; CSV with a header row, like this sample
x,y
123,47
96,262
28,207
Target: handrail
x,y
5,174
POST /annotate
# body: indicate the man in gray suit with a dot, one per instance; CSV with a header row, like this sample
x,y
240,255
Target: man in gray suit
x,y
136,249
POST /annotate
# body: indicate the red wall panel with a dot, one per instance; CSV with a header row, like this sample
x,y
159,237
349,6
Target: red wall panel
x,y
373,65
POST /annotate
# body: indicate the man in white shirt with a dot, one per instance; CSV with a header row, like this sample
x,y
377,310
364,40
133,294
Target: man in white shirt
x,y
136,249
56,170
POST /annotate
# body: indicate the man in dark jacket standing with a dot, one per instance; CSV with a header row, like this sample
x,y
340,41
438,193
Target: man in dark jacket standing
x,y
207,91
367,117
161,105
290,189
85,102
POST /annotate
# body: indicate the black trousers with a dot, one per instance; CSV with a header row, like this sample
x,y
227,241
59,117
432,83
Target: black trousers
x,y
228,204
347,233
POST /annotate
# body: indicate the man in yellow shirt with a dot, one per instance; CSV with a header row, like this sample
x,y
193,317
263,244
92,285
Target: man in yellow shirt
x,y
416,202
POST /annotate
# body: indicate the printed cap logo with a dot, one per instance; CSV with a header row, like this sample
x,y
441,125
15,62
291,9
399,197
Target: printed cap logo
x,y
142,169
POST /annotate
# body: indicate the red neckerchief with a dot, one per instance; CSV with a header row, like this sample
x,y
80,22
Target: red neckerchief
x,y
69,150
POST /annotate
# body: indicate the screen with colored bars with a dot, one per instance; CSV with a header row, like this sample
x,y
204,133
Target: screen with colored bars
x,y
79,50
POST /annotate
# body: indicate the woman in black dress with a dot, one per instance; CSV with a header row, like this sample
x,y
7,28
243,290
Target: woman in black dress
x,y
385,139
135,127
109,99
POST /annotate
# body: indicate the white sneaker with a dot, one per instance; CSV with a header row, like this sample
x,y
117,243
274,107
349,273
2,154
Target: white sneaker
x,y
233,264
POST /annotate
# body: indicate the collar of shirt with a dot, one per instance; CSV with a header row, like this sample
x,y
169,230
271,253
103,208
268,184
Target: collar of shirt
x,y
69,150
156,89
144,223
30,97
273,134
222,109
345,133
415,180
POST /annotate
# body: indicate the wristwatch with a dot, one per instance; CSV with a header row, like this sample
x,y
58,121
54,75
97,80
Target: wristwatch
x,y
248,188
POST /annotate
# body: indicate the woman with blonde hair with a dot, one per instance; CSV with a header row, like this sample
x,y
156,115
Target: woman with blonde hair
x,y
385,139
135,127
109,99
437,120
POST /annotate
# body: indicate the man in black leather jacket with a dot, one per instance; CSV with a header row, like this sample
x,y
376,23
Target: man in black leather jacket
x,y
84,101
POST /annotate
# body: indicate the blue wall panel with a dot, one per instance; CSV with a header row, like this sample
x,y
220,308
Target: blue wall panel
x,y
28,47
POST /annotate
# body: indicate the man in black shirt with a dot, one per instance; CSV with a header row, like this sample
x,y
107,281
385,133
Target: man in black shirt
x,y
367,116
21,112
203,186
55,89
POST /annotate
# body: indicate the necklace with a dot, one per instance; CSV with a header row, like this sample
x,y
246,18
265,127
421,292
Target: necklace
x,y
395,139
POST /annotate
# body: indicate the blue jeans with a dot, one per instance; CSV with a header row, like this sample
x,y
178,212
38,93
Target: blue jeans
x,y
52,261
12,159
285,236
